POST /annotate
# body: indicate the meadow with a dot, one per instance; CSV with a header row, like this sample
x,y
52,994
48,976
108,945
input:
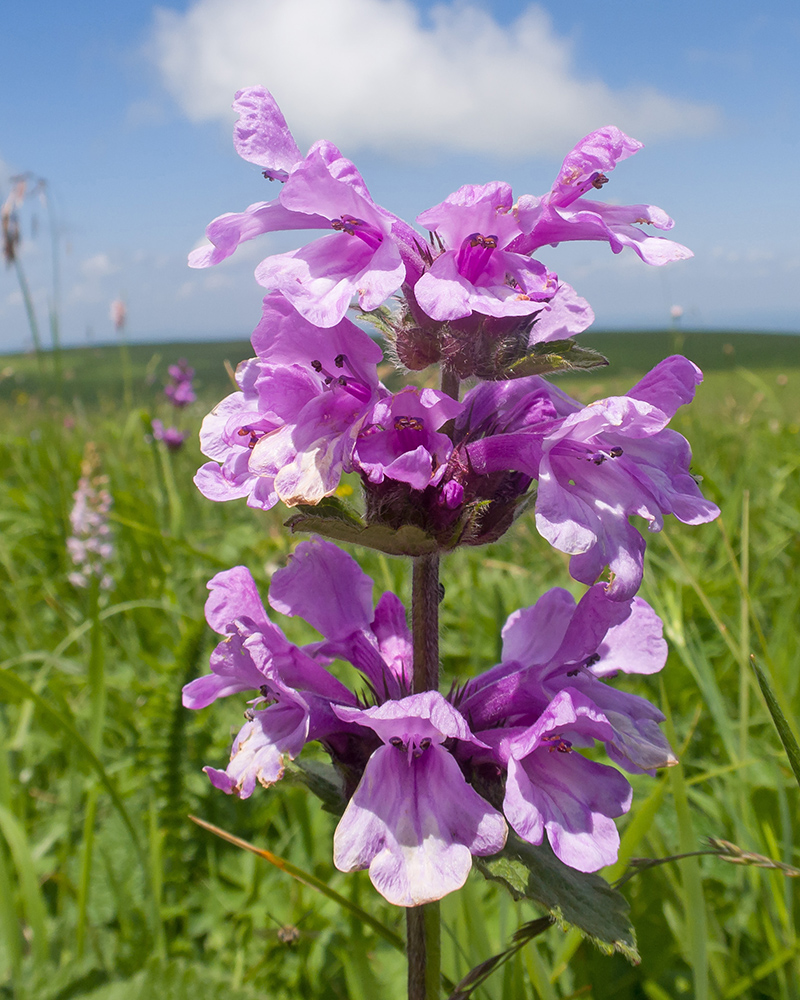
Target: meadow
x,y
109,891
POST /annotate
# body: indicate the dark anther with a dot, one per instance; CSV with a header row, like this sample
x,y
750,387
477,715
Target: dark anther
x,y
397,742
558,743
407,424
264,691
249,714
599,180
594,658
425,743
317,366
479,240
615,452
598,459
573,673
339,360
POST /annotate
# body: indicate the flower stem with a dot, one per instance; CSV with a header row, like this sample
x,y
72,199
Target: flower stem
x,y
423,941
425,622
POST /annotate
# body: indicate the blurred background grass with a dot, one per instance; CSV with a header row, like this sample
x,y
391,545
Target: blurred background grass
x,y
138,902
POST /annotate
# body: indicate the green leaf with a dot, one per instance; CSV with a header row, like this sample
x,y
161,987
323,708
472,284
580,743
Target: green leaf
x,y
782,724
333,519
556,356
381,318
586,901
322,780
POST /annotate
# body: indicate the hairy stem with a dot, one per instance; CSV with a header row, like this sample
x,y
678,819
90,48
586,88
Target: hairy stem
x,y
425,622
422,922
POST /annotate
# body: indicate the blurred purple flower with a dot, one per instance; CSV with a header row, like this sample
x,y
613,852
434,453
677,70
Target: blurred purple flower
x,y
171,436
179,391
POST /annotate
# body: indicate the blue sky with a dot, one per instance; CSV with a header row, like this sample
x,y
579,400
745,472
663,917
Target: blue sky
x,y
125,111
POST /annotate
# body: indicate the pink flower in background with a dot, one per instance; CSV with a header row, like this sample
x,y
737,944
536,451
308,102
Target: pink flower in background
x,y
118,314
89,545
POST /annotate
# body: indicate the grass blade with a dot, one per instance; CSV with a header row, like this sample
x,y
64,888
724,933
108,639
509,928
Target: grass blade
x,y
307,879
782,724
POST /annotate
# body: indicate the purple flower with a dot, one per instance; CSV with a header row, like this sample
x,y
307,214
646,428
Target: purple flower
x,y
327,587
477,272
563,214
596,465
321,191
614,458
399,439
171,436
413,820
228,435
565,315
551,788
295,694
268,737
179,391
290,433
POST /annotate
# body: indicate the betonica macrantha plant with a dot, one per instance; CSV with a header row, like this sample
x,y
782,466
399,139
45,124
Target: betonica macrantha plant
x,y
429,779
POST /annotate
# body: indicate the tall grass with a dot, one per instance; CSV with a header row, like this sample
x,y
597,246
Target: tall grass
x,y
108,891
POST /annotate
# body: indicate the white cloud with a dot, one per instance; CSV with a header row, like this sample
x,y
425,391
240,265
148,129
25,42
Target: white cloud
x,y
98,266
369,74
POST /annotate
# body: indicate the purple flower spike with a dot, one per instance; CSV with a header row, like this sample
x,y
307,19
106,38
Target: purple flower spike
x,y
399,439
413,820
477,272
563,214
551,788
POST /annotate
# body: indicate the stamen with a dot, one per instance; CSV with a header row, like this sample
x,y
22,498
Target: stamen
x,y
599,180
408,424
357,227
397,743
473,254
244,431
558,744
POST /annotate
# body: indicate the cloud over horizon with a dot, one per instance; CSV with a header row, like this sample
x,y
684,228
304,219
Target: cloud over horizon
x,y
369,74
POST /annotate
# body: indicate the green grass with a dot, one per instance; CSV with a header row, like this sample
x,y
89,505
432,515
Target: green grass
x,y
108,891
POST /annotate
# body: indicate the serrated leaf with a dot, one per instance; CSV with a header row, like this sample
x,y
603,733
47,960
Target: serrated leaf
x,y
405,541
584,900
556,356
